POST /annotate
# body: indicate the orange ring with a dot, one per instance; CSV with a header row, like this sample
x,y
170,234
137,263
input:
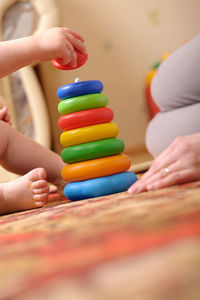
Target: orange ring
x,y
96,168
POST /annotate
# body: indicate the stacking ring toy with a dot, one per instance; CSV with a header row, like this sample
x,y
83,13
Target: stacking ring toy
x,y
92,150
81,60
80,88
89,134
82,103
102,186
96,168
85,118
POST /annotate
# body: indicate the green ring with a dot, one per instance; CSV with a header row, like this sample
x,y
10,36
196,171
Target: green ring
x,y
92,150
83,102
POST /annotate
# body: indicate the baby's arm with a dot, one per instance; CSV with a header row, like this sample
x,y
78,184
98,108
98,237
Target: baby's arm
x,y
56,42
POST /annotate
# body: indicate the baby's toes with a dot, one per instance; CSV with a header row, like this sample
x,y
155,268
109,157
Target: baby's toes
x,y
37,174
40,191
39,184
40,199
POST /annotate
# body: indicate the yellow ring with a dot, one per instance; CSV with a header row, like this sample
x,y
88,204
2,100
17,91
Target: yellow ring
x,y
89,134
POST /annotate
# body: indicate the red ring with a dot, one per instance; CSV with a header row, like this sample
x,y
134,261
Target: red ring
x,y
81,60
85,118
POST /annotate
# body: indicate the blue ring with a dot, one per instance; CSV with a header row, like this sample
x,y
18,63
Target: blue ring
x,y
80,88
101,186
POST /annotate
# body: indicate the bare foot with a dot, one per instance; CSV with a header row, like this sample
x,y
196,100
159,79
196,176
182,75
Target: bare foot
x,y
27,192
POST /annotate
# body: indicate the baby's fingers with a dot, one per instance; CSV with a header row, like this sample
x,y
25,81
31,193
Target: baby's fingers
x,y
7,119
66,56
75,34
76,43
3,112
73,58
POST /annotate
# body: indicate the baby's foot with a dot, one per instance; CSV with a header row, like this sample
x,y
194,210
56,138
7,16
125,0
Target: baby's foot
x,y
27,192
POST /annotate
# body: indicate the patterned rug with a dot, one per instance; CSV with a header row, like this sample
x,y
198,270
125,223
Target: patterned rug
x,y
117,247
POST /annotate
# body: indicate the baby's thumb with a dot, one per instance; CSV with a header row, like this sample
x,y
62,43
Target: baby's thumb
x,y
3,112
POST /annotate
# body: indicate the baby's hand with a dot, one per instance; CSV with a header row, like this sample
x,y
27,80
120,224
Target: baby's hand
x,y
60,42
4,116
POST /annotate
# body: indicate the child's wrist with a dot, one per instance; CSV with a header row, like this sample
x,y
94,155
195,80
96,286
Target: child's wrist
x,y
35,47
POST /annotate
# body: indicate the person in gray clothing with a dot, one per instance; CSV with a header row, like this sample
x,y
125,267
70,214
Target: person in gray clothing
x,y
173,135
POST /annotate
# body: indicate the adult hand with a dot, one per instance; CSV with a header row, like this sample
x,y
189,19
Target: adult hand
x,y
179,163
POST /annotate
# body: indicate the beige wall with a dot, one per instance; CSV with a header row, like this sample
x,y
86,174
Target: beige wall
x,y
123,38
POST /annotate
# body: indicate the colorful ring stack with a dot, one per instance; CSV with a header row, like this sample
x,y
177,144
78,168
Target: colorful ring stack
x,y
95,166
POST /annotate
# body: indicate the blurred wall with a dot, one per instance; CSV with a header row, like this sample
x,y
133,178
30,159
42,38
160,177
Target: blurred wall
x,y
123,38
